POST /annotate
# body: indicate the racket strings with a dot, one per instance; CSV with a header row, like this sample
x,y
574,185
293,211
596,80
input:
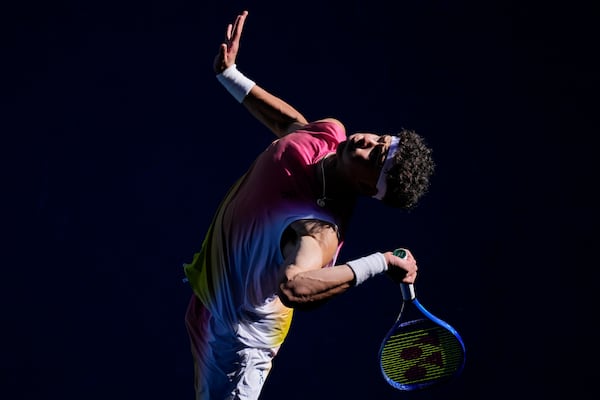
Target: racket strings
x,y
420,354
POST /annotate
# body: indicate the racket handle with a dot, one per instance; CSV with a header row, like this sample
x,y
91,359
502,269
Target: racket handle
x,y
408,291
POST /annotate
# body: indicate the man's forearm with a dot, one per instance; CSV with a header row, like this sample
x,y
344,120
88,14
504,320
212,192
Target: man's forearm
x,y
312,288
280,117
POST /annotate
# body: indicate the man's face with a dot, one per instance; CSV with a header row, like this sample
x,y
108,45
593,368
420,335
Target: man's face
x,y
361,157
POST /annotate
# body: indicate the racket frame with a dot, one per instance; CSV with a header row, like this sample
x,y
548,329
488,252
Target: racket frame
x,y
409,298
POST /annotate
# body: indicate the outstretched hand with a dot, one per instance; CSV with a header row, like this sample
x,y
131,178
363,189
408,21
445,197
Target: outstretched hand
x,y
230,46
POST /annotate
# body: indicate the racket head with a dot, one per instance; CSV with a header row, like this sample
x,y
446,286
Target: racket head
x,y
420,352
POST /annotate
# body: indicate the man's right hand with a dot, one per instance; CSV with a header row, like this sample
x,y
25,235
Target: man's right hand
x,y
230,46
401,270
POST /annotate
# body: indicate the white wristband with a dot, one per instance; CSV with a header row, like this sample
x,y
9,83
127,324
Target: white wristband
x,y
236,83
366,267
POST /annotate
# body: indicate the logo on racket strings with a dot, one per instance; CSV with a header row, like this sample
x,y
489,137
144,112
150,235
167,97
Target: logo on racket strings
x,y
421,355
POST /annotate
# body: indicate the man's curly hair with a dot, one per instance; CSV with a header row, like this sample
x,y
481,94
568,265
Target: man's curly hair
x,y
408,177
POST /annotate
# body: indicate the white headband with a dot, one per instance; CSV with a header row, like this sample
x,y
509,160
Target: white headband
x,y
382,181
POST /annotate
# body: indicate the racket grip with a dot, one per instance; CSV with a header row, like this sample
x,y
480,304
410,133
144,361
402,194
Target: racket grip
x,y
408,291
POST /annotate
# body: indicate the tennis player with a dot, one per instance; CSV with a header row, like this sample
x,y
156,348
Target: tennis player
x,y
273,244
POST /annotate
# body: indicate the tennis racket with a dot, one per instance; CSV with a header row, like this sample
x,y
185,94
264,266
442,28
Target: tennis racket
x,y
420,350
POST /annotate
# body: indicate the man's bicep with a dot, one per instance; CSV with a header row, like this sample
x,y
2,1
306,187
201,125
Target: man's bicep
x,y
314,245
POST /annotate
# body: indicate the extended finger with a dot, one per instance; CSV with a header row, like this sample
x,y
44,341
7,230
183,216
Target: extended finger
x,y
239,25
228,32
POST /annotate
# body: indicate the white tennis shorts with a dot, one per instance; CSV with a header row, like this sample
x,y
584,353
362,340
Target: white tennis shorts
x,y
224,369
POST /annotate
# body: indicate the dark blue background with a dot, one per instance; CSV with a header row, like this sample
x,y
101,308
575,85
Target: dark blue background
x,y
119,144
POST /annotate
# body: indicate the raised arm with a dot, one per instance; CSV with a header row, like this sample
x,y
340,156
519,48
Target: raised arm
x,y
277,115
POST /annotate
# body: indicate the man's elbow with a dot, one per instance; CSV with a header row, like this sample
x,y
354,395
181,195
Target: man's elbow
x,y
295,297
